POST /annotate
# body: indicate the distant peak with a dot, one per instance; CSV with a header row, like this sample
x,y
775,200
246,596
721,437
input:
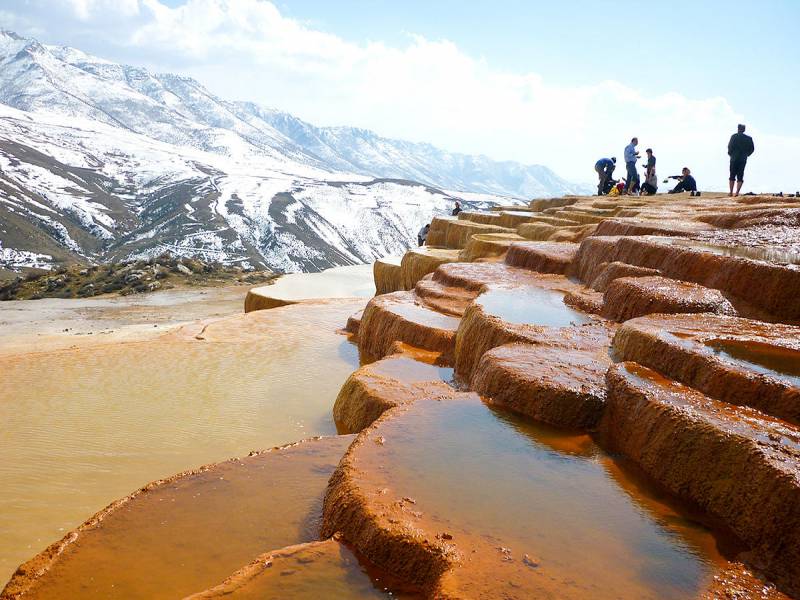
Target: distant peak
x,y
12,35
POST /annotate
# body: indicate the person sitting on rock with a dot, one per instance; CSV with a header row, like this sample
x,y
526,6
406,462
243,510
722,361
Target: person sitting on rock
x,y
605,169
686,182
457,209
422,236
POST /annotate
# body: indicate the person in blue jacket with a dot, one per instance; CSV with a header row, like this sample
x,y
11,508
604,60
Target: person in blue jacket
x,y
605,169
631,155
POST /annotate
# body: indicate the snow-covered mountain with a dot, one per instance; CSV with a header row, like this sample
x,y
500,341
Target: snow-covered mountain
x,y
103,161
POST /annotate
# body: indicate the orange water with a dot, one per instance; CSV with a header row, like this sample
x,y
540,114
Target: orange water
x,y
783,363
504,488
308,572
80,428
190,534
531,305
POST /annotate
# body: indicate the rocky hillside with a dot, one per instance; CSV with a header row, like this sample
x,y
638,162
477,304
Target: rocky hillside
x,y
104,162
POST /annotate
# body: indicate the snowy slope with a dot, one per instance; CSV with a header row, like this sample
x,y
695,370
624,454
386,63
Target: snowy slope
x,y
91,192
101,161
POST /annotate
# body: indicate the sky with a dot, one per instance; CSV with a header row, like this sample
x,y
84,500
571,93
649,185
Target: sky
x,y
559,83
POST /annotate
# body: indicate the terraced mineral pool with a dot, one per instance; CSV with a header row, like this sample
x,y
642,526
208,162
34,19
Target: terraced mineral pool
x,y
409,370
190,533
81,428
531,306
783,363
338,282
546,518
772,254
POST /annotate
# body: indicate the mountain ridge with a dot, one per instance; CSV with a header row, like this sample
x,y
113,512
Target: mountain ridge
x,y
102,161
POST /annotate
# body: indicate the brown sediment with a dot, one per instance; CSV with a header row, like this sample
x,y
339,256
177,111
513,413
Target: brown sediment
x,y
630,297
758,216
738,582
585,299
541,232
488,245
180,535
459,232
354,322
308,571
480,331
543,257
486,218
543,204
476,277
418,262
608,272
395,317
569,234
581,217
257,301
737,464
449,300
375,388
633,226
437,235
771,287
471,502
387,274
560,386
683,348
514,218
593,253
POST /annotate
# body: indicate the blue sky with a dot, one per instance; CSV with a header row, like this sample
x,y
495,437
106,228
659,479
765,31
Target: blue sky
x,y
556,83
744,51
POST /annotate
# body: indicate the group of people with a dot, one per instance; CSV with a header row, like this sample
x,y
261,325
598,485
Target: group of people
x,y
740,147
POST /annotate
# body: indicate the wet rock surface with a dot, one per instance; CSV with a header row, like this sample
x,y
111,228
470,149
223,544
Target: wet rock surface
x,y
510,528
544,257
737,464
629,297
396,317
309,571
384,384
738,361
558,386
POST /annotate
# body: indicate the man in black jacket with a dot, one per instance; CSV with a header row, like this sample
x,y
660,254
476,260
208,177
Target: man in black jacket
x,y
739,148
686,182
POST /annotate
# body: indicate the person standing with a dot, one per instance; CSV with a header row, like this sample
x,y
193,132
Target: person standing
x,y
422,236
630,164
650,186
605,169
740,147
457,209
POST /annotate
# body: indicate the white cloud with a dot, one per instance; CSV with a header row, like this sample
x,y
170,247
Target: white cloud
x,y
426,90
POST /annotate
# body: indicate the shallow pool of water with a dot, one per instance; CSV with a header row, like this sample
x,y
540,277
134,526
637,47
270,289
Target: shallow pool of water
x,y
80,428
531,306
339,282
560,519
781,363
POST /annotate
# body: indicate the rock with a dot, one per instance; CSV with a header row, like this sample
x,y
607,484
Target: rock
x,y
183,269
133,277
